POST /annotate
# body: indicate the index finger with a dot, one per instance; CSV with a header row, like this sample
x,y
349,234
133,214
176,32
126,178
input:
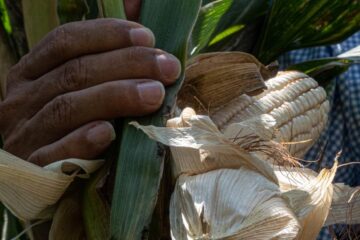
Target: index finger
x,y
81,38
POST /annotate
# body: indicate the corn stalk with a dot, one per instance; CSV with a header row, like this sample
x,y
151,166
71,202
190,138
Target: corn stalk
x,y
40,17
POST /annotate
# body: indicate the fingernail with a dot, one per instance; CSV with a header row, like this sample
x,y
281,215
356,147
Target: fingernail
x,y
101,134
142,37
151,93
169,66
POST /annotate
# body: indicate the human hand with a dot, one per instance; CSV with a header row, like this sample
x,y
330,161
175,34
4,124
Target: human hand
x,y
60,95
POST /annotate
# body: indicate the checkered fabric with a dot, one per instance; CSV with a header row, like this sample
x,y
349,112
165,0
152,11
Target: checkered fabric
x,y
343,131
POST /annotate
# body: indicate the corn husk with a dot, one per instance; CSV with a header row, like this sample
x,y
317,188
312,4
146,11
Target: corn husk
x,y
226,189
67,221
345,206
230,204
239,73
209,148
31,192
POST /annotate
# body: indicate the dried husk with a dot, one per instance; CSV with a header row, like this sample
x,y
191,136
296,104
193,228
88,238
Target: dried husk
x,y
311,201
209,148
214,79
67,220
345,206
30,192
230,204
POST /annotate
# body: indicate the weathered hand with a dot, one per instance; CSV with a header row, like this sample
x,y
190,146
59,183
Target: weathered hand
x,y
60,95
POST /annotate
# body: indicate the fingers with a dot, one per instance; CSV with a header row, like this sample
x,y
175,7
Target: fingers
x,y
106,101
88,71
132,9
82,38
87,142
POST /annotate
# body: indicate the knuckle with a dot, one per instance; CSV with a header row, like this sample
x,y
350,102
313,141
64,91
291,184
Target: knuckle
x,y
74,75
13,78
12,143
136,54
58,43
40,157
60,112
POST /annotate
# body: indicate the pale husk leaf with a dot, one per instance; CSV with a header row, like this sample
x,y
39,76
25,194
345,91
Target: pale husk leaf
x,y
230,204
67,221
345,206
311,201
30,191
201,147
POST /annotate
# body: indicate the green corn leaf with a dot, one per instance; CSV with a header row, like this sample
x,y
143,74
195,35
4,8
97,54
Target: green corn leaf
x,y
296,24
72,10
221,21
94,10
208,19
112,8
12,27
40,17
96,210
4,17
326,69
7,59
140,163
10,226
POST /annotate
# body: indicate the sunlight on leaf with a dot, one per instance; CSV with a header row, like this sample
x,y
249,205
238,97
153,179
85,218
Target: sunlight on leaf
x,y
228,32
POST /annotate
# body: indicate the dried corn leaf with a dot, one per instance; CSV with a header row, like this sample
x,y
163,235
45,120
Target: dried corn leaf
x,y
230,204
212,149
345,206
30,191
67,222
311,202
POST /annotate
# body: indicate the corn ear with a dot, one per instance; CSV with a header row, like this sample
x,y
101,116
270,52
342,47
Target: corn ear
x,y
218,202
296,102
298,105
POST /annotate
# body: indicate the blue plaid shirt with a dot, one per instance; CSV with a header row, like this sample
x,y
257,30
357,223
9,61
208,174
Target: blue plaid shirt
x,y
343,130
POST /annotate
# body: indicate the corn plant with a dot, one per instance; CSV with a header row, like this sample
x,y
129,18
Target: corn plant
x,y
137,166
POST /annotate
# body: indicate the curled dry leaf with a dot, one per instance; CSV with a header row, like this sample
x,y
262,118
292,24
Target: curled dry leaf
x,y
30,192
